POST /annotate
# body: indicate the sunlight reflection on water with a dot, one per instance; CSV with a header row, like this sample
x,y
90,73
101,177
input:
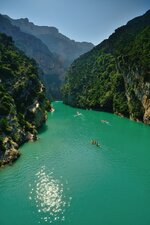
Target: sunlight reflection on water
x,y
48,194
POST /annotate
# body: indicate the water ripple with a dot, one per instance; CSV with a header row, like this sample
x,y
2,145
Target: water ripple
x,y
49,196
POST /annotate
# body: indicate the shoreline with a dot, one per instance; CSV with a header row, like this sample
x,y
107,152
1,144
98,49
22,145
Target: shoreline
x,y
12,154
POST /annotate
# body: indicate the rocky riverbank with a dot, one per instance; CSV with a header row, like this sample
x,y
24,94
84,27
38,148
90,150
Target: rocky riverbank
x,y
23,105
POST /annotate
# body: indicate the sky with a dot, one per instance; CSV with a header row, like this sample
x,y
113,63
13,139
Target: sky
x,y
80,20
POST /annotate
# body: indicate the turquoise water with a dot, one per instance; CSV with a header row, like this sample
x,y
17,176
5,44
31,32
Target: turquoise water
x,y
62,179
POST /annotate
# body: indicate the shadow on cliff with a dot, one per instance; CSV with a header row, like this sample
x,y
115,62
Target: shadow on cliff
x,y
43,129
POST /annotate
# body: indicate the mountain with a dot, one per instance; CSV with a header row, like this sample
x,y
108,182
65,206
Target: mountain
x,y
50,66
23,104
66,49
115,75
52,51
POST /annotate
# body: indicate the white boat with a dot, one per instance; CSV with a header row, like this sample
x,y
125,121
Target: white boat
x,y
78,114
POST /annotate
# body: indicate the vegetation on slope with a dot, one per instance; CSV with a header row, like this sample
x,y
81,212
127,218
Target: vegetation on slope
x,y
51,69
23,103
52,51
115,75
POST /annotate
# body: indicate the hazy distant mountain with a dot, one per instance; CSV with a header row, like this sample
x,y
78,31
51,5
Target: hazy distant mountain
x,y
115,75
52,69
53,55
31,45
55,41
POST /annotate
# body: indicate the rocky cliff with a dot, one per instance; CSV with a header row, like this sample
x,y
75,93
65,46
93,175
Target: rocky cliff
x,y
115,75
23,105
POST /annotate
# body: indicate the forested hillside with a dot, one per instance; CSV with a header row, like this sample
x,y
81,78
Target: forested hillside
x,y
23,104
115,75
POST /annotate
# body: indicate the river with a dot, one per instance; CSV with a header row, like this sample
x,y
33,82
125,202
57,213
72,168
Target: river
x,y
62,179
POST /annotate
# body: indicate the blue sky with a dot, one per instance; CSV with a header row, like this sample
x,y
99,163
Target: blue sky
x,y
81,20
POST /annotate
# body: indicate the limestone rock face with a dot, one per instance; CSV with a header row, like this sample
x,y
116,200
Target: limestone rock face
x,y
146,104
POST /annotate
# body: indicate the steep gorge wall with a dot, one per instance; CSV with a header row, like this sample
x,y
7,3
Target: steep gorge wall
x,y
23,105
115,75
